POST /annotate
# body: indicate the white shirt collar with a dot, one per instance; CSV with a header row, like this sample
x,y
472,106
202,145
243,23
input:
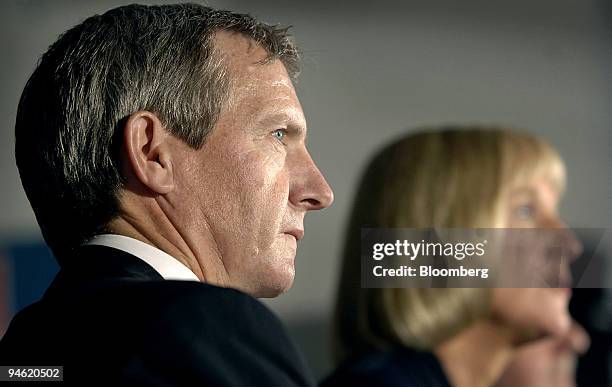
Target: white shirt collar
x,y
166,265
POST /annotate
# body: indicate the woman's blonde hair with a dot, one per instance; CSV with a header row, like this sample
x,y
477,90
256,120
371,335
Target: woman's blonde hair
x,y
454,177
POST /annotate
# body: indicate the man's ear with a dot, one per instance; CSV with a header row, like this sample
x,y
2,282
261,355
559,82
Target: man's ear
x,y
147,152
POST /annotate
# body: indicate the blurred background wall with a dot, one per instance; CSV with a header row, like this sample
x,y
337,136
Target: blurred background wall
x,y
371,70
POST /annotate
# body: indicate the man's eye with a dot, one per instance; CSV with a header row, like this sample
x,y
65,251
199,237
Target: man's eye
x,y
280,134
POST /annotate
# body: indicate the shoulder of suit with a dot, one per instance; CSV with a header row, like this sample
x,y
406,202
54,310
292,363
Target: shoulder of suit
x,y
196,297
191,309
198,291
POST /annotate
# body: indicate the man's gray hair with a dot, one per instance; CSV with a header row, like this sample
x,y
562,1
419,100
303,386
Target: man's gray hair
x,y
73,108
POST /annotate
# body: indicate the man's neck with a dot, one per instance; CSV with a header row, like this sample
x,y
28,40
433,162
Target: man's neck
x,y
161,234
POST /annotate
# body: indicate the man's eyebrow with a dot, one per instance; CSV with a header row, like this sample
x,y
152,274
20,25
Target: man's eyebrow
x,y
292,117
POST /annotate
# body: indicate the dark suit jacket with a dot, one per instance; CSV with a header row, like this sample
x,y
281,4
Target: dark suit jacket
x,y
110,319
399,367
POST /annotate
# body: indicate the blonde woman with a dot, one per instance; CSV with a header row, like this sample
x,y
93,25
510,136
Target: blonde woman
x,y
449,178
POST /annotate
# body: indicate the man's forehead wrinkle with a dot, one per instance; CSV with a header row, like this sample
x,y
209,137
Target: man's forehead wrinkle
x,y
283,83
246,89
253,87
279,112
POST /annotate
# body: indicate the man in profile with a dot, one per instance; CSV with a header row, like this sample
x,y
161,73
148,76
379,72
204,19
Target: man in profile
x,y
162,149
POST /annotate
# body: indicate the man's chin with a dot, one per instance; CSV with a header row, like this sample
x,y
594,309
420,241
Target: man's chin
x,y
277,286
272,276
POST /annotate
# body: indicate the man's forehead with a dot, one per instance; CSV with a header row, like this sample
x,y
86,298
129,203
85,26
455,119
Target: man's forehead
x,y
237,47
252,75
244,58
240,53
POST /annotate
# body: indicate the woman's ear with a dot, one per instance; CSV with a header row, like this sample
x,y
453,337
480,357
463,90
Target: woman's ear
x,y
147,152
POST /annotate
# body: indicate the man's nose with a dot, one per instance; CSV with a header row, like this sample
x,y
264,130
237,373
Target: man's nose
x,y
308,188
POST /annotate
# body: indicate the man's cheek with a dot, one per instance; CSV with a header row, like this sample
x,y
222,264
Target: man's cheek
x,y
262,170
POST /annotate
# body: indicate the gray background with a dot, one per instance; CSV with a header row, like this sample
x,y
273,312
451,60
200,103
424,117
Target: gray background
x,y
372,70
